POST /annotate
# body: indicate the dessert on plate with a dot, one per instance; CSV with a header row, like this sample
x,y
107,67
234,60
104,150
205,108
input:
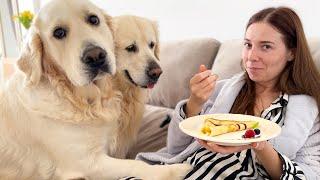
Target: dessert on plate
x,y
215,127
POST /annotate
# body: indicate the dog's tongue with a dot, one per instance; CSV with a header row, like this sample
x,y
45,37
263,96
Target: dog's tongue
x,y
150,86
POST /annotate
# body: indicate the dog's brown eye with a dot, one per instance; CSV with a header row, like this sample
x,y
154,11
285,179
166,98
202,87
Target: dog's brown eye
x,y
60,33
151,45
132,48
94,20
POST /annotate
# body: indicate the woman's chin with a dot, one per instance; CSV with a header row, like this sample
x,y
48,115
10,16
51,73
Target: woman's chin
x,y
255,77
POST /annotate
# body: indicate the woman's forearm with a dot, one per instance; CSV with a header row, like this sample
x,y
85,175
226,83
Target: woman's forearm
x,y
270,160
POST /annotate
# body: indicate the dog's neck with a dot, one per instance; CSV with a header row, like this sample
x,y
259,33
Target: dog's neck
x,y
79,104
132,108
85,95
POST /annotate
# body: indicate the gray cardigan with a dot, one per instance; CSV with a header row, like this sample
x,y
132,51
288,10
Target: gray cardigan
x,y
299,139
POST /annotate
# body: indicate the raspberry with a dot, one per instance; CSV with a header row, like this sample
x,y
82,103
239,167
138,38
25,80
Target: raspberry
x,y
249,133
257,131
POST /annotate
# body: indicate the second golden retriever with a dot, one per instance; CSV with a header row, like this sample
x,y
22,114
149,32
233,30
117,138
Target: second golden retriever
x,y
137,53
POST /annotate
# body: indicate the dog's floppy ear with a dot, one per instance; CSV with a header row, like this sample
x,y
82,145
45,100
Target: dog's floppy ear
x,y
30,61
157,43
109,22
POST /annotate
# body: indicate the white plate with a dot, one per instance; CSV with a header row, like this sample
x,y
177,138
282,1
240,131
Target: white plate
x,y
192,127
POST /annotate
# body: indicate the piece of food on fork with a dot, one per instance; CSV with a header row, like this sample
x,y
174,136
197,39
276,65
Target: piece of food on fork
x,y
215,127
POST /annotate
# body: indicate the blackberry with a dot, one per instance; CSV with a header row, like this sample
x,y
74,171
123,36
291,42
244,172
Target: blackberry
x,y
257,131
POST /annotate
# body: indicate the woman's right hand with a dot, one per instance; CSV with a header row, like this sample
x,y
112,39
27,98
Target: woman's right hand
x,y
201,86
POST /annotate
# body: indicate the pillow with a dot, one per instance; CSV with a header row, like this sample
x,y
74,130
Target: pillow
x,y
228,59
152,135
180,60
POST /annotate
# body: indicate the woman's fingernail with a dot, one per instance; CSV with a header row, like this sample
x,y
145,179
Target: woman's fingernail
x,y
255,145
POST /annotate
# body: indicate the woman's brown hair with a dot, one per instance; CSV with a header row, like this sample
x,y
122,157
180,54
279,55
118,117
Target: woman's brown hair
x,y
300,75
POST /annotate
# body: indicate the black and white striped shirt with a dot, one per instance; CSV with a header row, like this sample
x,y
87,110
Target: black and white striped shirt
x,y
242,165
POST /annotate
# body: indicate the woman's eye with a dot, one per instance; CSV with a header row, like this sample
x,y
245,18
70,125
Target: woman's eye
x,y
132,48
93,20
266,47
247,45
60,33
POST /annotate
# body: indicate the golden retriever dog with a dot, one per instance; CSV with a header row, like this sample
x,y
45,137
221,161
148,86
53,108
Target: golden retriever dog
x,y
137,53
59,112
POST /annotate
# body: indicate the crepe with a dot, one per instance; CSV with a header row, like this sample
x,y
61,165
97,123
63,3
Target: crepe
x,y
215,127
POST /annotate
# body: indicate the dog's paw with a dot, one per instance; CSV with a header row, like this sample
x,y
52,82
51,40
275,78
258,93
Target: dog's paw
x,y
179,171
172,172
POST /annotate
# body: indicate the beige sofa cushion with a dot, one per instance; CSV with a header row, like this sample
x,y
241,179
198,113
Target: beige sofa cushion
x,y
180,60
228,59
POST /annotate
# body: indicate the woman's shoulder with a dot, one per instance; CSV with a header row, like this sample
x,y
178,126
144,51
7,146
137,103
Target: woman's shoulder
x,y
302,100
300,115
303,103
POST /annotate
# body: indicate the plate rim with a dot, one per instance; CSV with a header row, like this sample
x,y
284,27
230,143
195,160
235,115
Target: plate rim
x,y
230,141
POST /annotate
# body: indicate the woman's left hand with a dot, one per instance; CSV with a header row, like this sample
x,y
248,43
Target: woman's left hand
x,y
257,146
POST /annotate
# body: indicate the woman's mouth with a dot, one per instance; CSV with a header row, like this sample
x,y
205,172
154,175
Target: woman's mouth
x,y
254,68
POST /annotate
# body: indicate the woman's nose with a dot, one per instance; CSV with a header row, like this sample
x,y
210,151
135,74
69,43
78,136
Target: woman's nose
x,y
253,54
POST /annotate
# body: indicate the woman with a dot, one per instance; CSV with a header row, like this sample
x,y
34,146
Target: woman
x,y
280,83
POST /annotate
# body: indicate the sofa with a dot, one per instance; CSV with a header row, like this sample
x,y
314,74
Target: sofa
x,y
180,60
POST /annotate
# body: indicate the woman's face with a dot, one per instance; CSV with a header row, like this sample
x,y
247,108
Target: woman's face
x,y
264,54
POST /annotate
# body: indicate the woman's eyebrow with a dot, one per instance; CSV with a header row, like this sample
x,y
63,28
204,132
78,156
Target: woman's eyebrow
x,y
261,42
266,42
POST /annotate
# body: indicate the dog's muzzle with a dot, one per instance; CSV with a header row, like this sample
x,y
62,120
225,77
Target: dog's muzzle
x,y
153,72
95,58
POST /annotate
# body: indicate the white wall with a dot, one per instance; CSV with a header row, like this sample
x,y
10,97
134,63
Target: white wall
x,y
220,19
181,19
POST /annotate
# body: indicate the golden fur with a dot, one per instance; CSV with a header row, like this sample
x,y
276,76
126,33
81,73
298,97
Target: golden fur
x,y
55,121
141,32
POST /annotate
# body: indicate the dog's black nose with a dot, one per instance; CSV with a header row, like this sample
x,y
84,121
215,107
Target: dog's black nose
x,y
94,56
154,71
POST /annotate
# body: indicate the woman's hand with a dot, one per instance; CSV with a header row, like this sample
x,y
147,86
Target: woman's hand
x,y
258,146
201,87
